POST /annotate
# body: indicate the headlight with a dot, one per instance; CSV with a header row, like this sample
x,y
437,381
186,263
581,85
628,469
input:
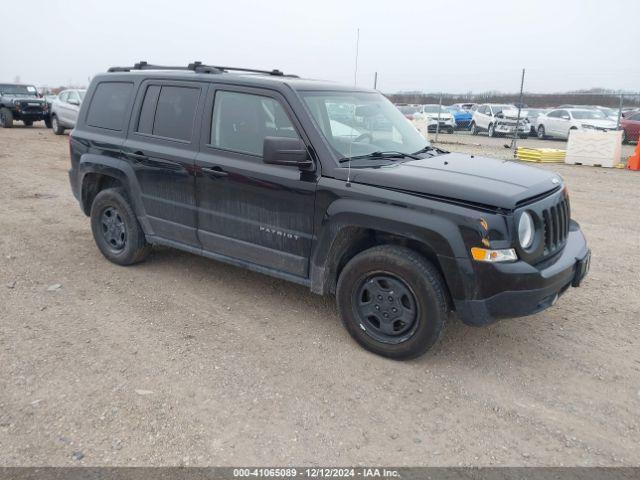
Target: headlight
x,y
525,230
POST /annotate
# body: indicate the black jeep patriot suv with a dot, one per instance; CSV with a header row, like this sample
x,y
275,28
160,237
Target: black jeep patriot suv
x,y
324,185
21,102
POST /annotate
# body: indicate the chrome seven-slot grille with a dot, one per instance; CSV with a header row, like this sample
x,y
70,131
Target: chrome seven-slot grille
x,y
556,225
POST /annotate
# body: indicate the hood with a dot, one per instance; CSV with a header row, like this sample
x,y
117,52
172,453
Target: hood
x,y
434,116
463,114
513,114
478,180
26,98
608,124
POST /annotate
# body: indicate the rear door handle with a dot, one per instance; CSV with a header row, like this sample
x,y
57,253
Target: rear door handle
x,y
215,172
138,156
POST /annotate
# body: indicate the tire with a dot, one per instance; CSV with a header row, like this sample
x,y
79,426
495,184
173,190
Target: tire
x,y
403,282
491,131
450,130
55,126
523,136
473,128
6,118
542,134
115,228
28,123
47,122
625,140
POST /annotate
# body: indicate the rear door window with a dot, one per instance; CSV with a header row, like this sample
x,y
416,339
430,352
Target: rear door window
x,y
175,112
110,105
148,111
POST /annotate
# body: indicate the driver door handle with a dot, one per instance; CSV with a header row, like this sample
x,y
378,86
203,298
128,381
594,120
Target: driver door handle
x,y
215,172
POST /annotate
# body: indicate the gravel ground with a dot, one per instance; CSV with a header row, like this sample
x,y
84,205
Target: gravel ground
x,y
186,361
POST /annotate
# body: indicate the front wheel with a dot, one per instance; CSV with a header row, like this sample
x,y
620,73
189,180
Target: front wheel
x,y
47,122
115,228
392,301
625,140
474,128
28,123
492,130
542,134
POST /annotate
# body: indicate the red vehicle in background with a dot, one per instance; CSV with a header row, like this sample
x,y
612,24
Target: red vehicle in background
x,y
630,128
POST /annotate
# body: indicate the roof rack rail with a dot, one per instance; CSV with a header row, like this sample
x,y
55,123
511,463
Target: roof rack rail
x,y
199,67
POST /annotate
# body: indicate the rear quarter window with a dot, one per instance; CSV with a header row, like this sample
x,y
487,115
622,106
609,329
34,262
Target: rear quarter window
x,y
110,105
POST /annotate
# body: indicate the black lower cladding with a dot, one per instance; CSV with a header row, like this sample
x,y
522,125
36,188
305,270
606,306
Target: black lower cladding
x,y
520,289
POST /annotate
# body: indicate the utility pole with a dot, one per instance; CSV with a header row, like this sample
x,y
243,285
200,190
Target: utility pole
x,y
514,140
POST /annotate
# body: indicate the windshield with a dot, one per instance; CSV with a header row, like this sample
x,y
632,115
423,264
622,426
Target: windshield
x,y
360,123
499,108
588,115
22,90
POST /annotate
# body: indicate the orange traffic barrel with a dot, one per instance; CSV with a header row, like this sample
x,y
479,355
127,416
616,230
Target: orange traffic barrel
x,y
634,160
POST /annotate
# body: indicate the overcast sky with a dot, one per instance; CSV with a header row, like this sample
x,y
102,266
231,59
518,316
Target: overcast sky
x,y
450,46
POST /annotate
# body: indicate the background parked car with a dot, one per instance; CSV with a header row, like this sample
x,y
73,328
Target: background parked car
x,y
408,110
630,128
435,113
499,119
610,113
64,110
22,103
464,106
462,117
532,115
558,123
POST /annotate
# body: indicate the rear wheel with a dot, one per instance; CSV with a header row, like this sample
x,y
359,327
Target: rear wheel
x,y
392,301
115,228
55,125
542,134
625,140
6,118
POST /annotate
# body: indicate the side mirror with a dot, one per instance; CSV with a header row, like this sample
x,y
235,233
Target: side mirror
x,y
73,101
285,151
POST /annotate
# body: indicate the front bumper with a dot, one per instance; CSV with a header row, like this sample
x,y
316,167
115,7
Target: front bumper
x,y
505,129
521,289
444,125
30,115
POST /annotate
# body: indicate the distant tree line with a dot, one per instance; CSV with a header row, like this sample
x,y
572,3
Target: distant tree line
x,y
606,98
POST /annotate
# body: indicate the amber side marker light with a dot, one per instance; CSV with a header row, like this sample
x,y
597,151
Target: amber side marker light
x,y
493,256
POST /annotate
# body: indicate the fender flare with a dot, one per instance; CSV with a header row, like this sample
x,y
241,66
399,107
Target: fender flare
x,y
119,169
439,235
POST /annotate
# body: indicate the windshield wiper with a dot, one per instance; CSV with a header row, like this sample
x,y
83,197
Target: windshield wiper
x,y
429,148
383,155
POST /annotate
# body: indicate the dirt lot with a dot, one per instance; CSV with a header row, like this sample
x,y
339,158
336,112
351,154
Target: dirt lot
x,y
183,360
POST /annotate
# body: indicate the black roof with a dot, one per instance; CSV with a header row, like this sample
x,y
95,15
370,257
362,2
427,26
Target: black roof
x,y
248,76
